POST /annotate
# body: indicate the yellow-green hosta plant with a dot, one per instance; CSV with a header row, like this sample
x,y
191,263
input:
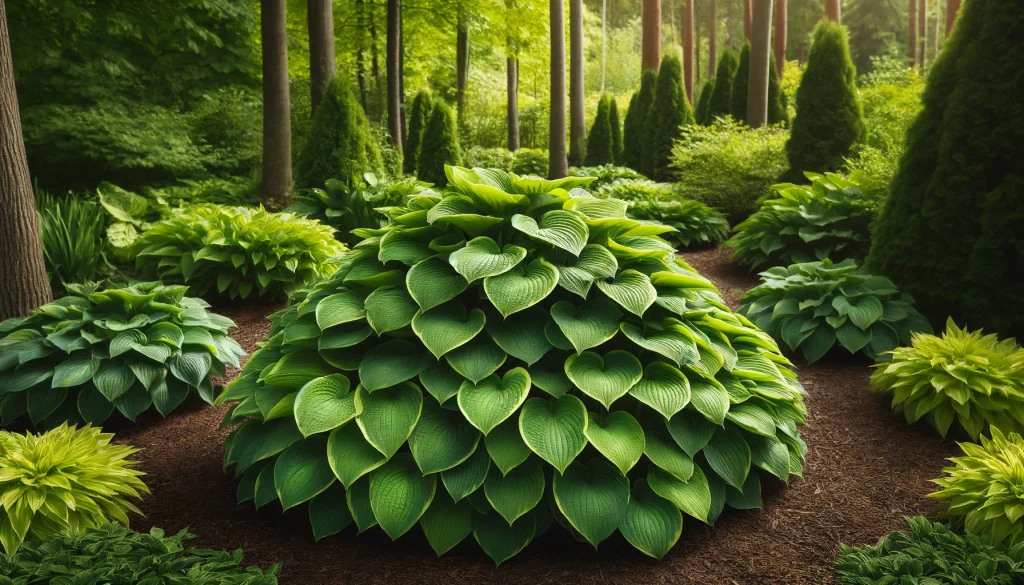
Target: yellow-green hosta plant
x,y
237,252
64,481
508,355
85,355
694,222
985,487
962,377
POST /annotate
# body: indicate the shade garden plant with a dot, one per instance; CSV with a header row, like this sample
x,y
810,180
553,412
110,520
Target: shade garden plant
x,y
512,354
90,353
694,222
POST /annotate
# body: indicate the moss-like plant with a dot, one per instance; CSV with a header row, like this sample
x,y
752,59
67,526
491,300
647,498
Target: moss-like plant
x,y
963,377
811,306
237,252
513,353
695,223
86,354
63,482
439,147
827,219
984,488
419,115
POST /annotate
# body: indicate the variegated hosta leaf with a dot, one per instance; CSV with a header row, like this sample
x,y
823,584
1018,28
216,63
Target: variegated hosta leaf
x,y
589,325
521,287
492,400
632,290
604,378
562,229
577,274
482,258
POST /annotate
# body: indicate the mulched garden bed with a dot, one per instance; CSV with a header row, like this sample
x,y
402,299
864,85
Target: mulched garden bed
x,y
865,471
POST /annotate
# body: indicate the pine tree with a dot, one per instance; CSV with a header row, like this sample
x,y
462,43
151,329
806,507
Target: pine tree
x,y
338,145
704,103
599,143
634,138
777,113
669,112
738,99
418,116
616,126
440,146
829,119
950,233
721,96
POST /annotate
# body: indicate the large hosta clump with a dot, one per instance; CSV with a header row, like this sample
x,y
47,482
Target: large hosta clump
x,y
513,353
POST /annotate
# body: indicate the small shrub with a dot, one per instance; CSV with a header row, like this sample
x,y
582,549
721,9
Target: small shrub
x,y
531,162
600,149
826,219
634,137
811,306
605,176
616,126
81,356
440,146
721,96
419,114
963,377
695,223
669,112
488,158
63,482
703,111
740,79
112,553
237,252
71,230
216,190
777,112
930,553
634,190
983,488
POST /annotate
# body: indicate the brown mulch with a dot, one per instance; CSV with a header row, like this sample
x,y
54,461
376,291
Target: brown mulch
x,y
865,471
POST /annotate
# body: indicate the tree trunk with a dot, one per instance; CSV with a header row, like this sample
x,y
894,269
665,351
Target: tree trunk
x,y
833,10
760,51
401,83
651,44
577,117
937,38
781,24
322,63
22,270
688,45
712,39
604,41
394,74
360,61
912,33
952,7
276,186
922,32
461,61
558,162
748,19
513,103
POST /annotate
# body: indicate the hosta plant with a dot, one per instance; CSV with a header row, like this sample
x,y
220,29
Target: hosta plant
x,y
985,487
827,219
82,356
64,481
237,252
962,377
813,305
513,353
606,175
694,222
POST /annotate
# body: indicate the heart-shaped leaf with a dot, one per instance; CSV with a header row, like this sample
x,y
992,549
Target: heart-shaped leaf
x,y
477,359
618,436
632,290
446,522
663,388
467,477
499,540
494,399
387,417
664,341
691,430
605,379
863,311
302,471
593,498
482,258
652,524
562,229
505,445
577,274
390,308
554,429
441,381
662,450
391,363
589,325
729,455
327,513
692,497
324,404
521,287
351,456
433,281
400,494
523,337
442,439
340,308
516,492
447,326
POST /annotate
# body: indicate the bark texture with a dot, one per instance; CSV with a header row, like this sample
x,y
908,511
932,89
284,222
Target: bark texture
x,y
276,185
952,7
461,60
688,44
394,72
513,103
650,57
577,117
922,32
781,25
322,62
912,33
712,38
558,161
748,19
760,51
833,10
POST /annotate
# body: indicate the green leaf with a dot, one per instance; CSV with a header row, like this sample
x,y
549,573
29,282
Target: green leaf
x,y
499,540
467,477
42,402
514,494
692,497
482,258
446,523
447,327
521,287
71,373
605,379
691,431
747,498
554,428
94,407
351,456
550,378
191,367
255,441
391,363
302,471
663,388
632,290
324,404
852,337
131,404
618,436
340,308
522,337
576,275
863,311
729,455
710,399
358,499
560,228
752,418
477,359
441,381
296,368
651,523
494,399
400,494
433,282
593,498
662,450
818,344
505,445
168,395
387,417
589,325
669,343
328,513
442,439
390,308
113,380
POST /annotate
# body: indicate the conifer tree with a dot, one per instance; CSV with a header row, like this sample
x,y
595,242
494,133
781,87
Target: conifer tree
x,y
738,99
599,142
669,112
616,126
721,96
777,113
338,145
704,103
419,114
636,120
440,146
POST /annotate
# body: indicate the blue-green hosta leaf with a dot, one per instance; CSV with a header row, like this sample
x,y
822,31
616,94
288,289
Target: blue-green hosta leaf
x,y
729,455
710,398
166,332
691,430
632,290
467,477
390,308
817,345
340,308
387,417
692,497
93,406
391,363
71,373
302,471
492,400
442,439
447,326
517,492
863,311
400,494
550,377
521,287
441,381
663,388
191,367
593,498
482,258
433,282
477,359
446,523
577,274
560,228
607,378
42,402
662,450
342,336
255,441
852,337
589,325
358,499
351,456
554,428
328,512
505,445
168,395
663,340
499,540
324,404
125,340
618,436
523,336
652,524
113,380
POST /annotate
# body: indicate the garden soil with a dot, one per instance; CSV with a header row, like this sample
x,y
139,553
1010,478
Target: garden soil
x,y
865,471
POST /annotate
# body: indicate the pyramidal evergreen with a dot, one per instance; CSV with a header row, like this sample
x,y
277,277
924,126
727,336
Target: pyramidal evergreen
x,y
440,146
634,139
777,113
669,113
704,103
950,232
616,127
721,96
738,99
419,114
599,140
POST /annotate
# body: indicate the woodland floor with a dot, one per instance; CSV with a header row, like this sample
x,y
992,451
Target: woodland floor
x,y
865,471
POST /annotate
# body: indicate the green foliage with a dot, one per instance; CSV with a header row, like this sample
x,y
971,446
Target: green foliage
x,y
634,138
339,144
965,377
114,554
606,176
949,233
235,252
216,190
930,554
777,113
600,146
826,219
440,146
530,161
669,112
983,487
616,126
488,158
419,114
811,306
721,95
695,223
635,190
829,120
64,481
738,98
80,357
71,230
435,353
704,103
729,166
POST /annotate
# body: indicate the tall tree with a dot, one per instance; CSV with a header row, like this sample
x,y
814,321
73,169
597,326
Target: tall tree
x,y
22,269
558,160
760,57
833,10
512,82
781,23
650,57
740,80
600,146
461,59
634,133
322,62
712,38
922,32
748,19
912,32
668,114
688,44
577,117
720,101
419,115
952,7
276,185
394,72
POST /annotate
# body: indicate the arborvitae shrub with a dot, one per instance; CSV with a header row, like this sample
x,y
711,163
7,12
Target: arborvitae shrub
x,y
950,232
635,139
600,149
776,98
721,96
339,145
704,102
829,119
422,105
669,112
630,135
440,146
616,126
738,99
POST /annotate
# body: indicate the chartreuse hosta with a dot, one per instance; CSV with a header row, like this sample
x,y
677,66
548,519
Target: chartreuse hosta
x,y
513,353
82,356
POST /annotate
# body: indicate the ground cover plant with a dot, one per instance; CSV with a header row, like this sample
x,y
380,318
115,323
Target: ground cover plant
x,y
963,377
694,222
812,305
237,252
826,219
505,357
63,481
112,553
82,356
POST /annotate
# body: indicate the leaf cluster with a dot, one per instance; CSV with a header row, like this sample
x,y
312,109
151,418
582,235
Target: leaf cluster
x,y
695,223
605,176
